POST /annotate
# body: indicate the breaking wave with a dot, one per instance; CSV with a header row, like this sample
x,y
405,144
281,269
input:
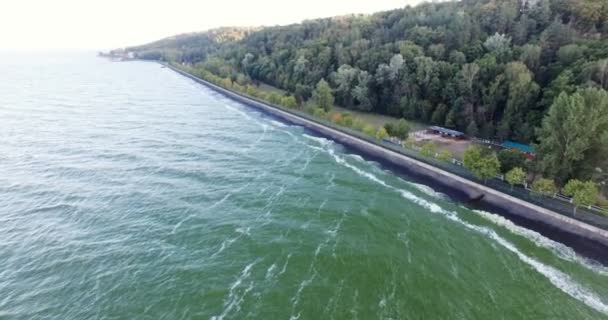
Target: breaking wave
x,y
558,278
562,251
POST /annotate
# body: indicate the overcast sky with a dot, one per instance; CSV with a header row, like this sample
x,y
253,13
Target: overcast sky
x,y
104,24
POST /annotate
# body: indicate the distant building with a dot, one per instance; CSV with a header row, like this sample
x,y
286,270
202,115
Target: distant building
x,y
446,132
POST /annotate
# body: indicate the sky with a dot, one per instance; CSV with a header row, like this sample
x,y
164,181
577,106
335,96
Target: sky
x,y
107,24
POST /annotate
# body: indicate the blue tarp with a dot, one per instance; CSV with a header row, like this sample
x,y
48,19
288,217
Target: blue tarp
x,y
517,146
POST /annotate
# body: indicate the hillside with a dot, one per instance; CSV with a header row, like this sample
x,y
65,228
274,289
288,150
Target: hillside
x,y
490,68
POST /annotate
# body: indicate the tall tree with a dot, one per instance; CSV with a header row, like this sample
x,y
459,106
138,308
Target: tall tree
x,y
322,95
582,193
516,176
574,135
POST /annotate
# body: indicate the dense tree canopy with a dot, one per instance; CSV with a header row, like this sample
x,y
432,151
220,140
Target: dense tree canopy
x,y
483,66
492,68
574,135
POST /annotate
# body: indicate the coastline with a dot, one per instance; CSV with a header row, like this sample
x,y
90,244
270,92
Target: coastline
x,y
586,239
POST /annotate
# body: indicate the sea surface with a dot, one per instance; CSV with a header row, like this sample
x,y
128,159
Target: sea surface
x,y
130,192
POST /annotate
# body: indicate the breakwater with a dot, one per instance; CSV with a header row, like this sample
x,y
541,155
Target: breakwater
x,y
589,240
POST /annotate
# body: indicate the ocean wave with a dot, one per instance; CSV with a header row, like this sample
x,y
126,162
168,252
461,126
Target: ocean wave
x,y
356,157
278,124
234,300
556,277
427,190
322,141
561,250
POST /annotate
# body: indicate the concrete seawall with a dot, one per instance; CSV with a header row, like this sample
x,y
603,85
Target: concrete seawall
x,y
584,238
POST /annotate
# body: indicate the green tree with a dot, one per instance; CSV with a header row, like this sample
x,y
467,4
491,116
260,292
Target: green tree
x,y
569,54
515,176
601,73
530,56
472,156
582,193
439,114
544,186
369,130
381,133
445,156
345,79
481,166
501,63
358,124
510,159
289,102
472,130
319,113
322,95
488,168
574,135
401,129
274,98
428,150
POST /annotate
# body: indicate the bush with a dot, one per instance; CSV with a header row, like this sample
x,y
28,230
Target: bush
x,y
381,133
358,124
400,130
483,166
226,83
289,102
409,143
515,176
428,150
582,193
319,113
251,90
310,109
347,119
335,118
544,186
274,98
445,156
369,130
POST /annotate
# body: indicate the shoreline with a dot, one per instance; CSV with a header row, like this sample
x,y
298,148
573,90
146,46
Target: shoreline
x,y
587,240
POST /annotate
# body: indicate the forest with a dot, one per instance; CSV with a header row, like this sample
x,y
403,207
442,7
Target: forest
x,y
532,71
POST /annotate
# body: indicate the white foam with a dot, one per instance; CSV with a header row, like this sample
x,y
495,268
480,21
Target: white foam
x,y
334,232
296,299
270,271
427,190
240,112
561,250
278,124
180,223
362,173
322,141
357,157
285,265
242,230
233,300
225,244
558,278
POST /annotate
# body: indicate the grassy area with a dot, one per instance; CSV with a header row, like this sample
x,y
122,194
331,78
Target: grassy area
x,y
455,148
378,120
270,89
373,119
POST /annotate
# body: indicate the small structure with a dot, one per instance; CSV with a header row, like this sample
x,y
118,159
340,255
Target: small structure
x,y
519,147
446,132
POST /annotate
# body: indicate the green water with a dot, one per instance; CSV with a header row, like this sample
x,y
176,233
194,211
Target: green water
x,y
130,192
